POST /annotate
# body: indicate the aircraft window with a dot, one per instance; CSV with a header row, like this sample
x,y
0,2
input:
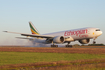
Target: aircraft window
x,y
98,30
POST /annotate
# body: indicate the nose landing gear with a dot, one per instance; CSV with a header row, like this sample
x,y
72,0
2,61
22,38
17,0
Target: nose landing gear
x,y
94,42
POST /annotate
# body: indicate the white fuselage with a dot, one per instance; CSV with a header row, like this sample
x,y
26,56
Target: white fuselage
x,y
78,34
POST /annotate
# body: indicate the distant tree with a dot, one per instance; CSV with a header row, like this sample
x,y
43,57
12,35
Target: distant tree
x,y
95,44
84,45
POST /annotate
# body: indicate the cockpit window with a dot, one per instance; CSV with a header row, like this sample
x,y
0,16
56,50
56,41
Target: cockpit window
x,y
97,29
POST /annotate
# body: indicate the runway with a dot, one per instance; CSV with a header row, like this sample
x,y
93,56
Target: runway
x,y
82,49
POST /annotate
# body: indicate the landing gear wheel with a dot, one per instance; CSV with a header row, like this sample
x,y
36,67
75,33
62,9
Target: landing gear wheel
x,y
54,45
94,42
68,46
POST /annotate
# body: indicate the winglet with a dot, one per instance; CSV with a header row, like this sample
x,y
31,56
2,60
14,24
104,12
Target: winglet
x,y
33,29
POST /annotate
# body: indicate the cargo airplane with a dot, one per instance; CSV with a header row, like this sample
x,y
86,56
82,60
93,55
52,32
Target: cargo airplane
x,y
83,35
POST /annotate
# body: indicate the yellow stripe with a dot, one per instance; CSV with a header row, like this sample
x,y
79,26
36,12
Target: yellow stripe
x,y
34,32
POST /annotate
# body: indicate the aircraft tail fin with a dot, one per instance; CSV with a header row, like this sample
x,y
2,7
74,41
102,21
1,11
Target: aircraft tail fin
x,y
33,29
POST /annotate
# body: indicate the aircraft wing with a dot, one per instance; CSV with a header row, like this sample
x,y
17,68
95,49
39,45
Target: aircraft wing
x,y
24,38
32,35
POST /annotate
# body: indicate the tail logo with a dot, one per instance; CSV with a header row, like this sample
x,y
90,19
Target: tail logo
x,y
33,29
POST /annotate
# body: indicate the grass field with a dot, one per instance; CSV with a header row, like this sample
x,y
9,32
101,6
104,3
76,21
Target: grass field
x,y
32,57
63,59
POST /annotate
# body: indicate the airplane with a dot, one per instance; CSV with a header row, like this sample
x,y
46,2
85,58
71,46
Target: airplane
x,y
83,35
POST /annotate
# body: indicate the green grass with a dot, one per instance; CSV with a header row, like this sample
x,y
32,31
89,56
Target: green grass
x,y
32,57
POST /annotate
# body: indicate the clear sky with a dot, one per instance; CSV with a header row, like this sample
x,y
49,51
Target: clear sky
x,y
49,16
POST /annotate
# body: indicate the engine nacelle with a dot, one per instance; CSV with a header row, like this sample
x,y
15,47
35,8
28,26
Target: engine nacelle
x,y
84,41
58,39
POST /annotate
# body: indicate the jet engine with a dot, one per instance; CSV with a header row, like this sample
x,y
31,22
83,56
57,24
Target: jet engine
x,y
58,39
84,41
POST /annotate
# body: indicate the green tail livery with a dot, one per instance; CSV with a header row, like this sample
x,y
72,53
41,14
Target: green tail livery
x,y
33,29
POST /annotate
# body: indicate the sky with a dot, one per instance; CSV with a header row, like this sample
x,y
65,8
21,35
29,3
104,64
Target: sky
x,y
49,16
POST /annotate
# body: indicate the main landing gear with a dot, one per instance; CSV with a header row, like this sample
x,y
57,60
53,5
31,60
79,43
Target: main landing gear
x,y
65,45
68,45
54,45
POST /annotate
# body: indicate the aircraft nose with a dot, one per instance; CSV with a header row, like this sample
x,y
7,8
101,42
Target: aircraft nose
x,y
101,32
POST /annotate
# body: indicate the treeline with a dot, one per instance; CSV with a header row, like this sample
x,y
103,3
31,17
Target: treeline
x,y
96,45
89,45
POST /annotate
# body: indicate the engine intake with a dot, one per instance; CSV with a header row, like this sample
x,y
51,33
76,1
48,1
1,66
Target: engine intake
x,y
58,39
84,41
